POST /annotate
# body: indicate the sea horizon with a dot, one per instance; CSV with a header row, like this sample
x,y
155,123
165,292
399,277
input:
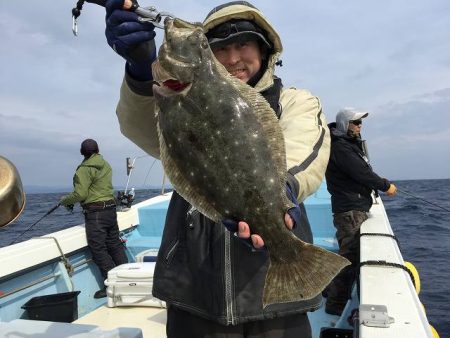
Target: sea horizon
x,y
44,189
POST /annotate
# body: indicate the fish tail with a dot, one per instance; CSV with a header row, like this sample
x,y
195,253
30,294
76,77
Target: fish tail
x,y
300,275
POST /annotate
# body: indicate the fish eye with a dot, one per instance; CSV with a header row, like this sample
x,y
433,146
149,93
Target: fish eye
x,y
204,44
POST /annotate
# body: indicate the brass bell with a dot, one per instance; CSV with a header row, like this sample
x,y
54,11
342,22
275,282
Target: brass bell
x,y
12,197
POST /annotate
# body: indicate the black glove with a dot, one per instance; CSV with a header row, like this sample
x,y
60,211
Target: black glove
x,y
69,208
131,39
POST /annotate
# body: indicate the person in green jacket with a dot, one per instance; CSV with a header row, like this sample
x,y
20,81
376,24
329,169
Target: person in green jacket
x,y
93,189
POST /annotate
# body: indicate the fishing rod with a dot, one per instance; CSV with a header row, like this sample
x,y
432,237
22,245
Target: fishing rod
x,y
146,14
32,225
422,199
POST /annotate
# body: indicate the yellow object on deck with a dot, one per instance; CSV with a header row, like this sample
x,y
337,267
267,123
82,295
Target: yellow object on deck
x,y
410,266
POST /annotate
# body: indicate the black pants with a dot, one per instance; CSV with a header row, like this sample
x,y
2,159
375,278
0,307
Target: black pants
x,y
102,232
182,324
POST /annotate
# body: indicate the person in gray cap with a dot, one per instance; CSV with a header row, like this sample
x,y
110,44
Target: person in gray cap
x,y
210,293
92,184
350,181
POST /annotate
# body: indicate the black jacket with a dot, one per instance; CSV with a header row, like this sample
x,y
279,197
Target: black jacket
x,y
350,178
206,270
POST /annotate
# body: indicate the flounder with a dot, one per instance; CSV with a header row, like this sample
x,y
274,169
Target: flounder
x,y
223,150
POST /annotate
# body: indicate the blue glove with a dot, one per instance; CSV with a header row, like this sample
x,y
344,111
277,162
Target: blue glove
x,y
131,39
294,212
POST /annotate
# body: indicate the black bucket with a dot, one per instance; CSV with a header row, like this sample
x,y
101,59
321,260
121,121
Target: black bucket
x,y
59,307
331,332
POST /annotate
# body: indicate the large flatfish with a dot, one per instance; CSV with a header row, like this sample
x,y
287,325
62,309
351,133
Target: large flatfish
x,y
223,150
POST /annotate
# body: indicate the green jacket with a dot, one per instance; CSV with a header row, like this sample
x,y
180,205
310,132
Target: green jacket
x,y
92,182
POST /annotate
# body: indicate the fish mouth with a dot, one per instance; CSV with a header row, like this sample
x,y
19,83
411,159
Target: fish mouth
x,y
165,84
171,87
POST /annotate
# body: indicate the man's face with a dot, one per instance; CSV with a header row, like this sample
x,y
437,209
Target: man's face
x,y
354,127
241,59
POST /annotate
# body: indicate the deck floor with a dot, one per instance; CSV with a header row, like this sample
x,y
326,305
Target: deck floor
x,y
152,321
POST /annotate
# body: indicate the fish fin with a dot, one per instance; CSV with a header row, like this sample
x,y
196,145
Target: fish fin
x,y
302,276
189,192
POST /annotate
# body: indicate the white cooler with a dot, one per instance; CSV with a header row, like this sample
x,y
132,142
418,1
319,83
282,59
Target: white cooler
x,y
131,285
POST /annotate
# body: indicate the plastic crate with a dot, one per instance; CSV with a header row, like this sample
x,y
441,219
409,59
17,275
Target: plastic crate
x,y
59,307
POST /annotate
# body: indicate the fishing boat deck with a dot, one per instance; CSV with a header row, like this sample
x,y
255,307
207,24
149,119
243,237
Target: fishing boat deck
x,y
152,321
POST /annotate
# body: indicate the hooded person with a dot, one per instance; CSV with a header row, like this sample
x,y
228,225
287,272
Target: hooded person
x,y
211,281
93,189
350,181
344,116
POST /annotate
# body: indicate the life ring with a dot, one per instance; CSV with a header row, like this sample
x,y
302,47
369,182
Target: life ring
x,y
412,269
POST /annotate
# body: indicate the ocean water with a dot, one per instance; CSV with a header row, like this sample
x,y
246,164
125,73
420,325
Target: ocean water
x,y
424,235
422,229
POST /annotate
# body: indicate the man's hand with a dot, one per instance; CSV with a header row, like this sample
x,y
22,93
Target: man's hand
x,y
257,241
392,190
69,208
130,38
294,212
242,229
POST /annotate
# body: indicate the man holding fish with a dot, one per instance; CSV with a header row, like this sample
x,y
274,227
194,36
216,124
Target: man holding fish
x,y
214,282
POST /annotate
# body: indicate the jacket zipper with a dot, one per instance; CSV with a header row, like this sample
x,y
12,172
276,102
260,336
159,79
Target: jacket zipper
x,y
228,280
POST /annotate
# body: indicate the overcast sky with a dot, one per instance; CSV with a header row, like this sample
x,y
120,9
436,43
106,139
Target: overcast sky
x,y
390,58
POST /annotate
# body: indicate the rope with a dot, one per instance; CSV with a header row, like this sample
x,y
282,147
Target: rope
x,y
382,235
393,265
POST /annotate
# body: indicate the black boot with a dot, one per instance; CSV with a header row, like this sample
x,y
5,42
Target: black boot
x,y
100,293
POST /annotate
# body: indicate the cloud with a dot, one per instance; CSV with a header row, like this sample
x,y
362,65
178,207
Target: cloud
x,y
390,58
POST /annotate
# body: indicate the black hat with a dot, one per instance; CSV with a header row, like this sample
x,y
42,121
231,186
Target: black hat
x,y
236,30
89,147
